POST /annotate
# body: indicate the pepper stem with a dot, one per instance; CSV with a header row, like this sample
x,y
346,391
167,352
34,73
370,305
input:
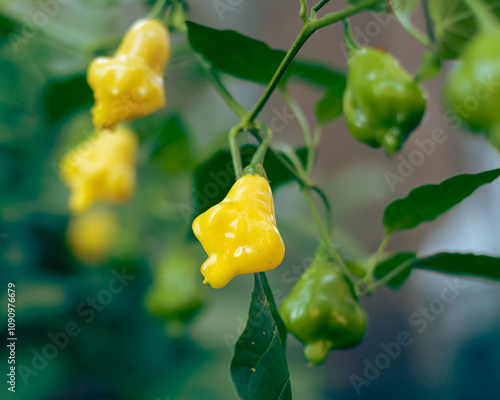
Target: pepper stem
x,y
157,9
487,21
235,151
256,165
349,40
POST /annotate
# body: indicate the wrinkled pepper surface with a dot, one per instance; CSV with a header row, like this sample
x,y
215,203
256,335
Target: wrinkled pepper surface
x,y
382,103
103,169
322,310
240,234
130,84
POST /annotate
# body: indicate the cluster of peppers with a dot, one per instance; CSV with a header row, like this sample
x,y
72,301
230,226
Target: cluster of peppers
x,y
239,234
382,105
126,86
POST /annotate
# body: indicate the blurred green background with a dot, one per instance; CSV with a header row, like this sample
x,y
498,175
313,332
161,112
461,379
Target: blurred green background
x,y
122,352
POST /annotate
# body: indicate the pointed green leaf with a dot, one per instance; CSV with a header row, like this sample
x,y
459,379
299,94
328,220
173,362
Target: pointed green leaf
x,y
330,106
235,54
430,67
426,203
259,368
317,74
462,264
246,58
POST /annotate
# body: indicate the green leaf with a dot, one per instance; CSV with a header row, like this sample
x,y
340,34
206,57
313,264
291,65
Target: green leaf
x,y
426,203
64,96
245,58
330,106
391,263
430,67
454,24
166,138
356,268
214,177
462,264
317,74
235,54
259,368
403,10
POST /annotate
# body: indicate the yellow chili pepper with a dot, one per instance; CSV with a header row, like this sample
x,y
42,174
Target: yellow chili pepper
x,y
101,170
146,41
130,84
240,234
91,235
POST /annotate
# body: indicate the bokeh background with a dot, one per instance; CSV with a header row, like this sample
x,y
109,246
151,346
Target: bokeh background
x,y
125,353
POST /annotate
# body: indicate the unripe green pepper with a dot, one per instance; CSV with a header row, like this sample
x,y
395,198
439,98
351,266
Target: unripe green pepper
x,y
472,89
382,103
322,310
175,295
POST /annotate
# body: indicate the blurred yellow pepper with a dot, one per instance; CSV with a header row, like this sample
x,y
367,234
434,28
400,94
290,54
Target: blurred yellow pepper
x,y
130,84
103,171
240,234
91,235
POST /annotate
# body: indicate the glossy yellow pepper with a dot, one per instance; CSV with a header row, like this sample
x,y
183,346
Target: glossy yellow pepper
x,y
103,170
239,234
130,84
91,235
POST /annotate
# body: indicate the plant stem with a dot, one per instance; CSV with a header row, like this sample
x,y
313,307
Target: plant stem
x,y
304,34
258,157
381,282
417,35
337,16
303,10
428,20
296,175
328,208
301,118
309,28
312,141
228,98
235,151
221,89
157,9
349,41
369,277
320,5
325,237
487,21
311,155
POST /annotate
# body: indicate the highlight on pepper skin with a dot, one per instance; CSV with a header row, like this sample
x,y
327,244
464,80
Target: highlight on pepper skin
x,y
240,234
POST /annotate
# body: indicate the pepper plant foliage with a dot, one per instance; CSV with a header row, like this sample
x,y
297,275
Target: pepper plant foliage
x,y
259,367
382,105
